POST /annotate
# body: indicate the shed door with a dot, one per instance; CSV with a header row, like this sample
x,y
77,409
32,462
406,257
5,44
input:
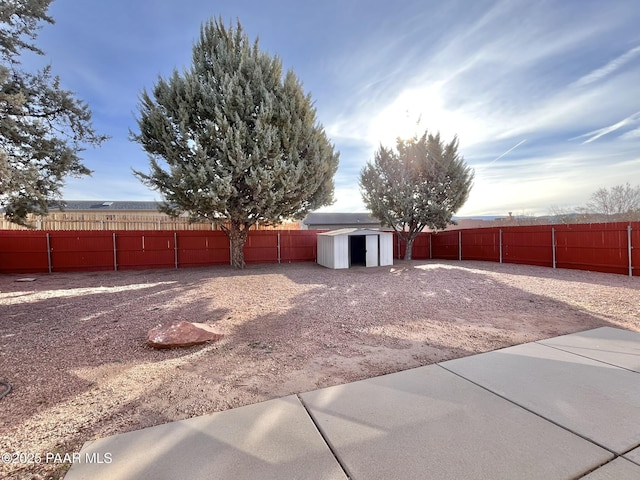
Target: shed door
x,y
372,250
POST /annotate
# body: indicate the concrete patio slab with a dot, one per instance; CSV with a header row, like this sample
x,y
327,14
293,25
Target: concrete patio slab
x,y
619,469
271,440
554,409
430,423
611,345
634,456
596,400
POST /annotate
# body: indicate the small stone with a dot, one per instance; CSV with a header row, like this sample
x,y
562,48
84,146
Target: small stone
x,y
182,334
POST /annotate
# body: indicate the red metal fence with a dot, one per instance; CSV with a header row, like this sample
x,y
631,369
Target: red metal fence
x,y
604,247
63,251
601,247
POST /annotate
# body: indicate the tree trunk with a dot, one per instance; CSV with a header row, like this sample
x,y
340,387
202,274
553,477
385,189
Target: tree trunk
x,y
408,251
237,237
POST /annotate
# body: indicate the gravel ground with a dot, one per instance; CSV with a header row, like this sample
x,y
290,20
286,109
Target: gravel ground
x,y
73,345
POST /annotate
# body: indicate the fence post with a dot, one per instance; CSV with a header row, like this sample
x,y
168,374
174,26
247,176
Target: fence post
x,y
430,248
175,248
49,253
115,254
278,247
553,245
460,245
230,252
629,248
500,245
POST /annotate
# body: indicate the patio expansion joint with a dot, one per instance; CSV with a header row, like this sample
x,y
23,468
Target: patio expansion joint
x,y
632,461
324,438
635,462
532,411
539,342
599,467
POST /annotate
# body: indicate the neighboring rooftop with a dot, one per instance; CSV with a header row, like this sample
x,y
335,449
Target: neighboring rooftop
x,y
70,205
333,221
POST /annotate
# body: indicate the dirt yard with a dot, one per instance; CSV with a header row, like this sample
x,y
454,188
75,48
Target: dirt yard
x,y
73,345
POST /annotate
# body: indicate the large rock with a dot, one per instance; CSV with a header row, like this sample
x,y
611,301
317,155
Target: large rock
x,y
182,334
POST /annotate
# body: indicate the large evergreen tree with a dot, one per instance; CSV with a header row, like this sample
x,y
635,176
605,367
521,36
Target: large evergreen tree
x,y
240,140
420,184
43,128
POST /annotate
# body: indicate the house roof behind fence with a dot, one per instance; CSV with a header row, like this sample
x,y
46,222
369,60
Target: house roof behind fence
x,y
74,205
340,219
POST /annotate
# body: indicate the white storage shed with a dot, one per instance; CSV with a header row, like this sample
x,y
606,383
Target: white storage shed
x,y
349,247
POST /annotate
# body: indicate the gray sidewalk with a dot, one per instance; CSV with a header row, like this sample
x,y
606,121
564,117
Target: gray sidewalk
x,y
562,408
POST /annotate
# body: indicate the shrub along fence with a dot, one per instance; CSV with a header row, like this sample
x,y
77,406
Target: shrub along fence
x,y
603,247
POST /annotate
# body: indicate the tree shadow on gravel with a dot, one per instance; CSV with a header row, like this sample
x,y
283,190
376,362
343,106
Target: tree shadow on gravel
x,y
62,323
393,318
80,341
403,301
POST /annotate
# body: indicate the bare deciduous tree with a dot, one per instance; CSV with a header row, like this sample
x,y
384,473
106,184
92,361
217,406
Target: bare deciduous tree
x,y
618,203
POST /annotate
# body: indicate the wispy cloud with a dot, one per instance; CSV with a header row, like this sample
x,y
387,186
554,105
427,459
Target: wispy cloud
x,y
601,132
631,135
608,69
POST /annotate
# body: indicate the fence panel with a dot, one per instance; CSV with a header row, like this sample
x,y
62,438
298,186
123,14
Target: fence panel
x,y
444,245
530,245
196,249
261,247
23,251
138,250
600,247
420,249
481,244
76,251
298,245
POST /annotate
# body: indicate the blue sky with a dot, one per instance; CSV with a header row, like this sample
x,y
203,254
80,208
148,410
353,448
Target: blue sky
x,y
544,96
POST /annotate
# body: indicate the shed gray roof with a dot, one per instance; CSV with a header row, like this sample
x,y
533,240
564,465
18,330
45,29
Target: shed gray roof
x,y
106,205
315,218
353,231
